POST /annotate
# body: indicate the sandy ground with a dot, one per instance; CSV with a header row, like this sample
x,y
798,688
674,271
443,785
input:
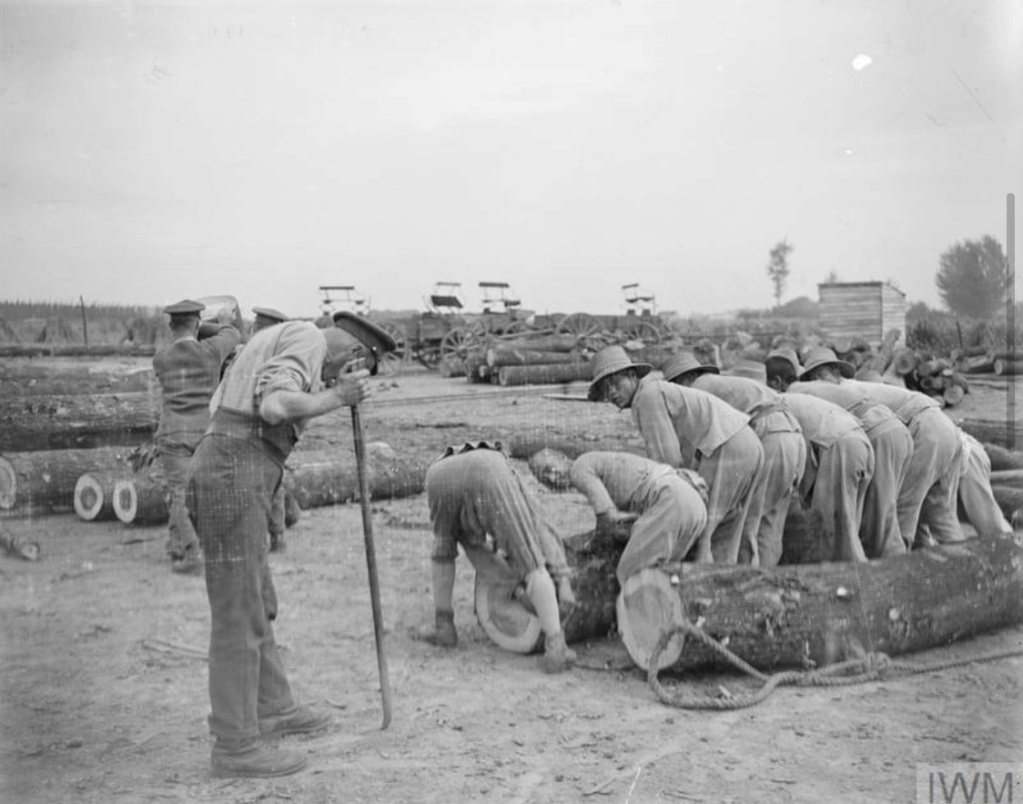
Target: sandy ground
x,y
103,694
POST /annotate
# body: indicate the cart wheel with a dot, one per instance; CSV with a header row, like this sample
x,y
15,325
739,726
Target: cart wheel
x,y
515,328
457,343
642,331
395,361
581,325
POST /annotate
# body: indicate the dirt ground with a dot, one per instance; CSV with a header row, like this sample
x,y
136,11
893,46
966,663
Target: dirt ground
x,y
103,693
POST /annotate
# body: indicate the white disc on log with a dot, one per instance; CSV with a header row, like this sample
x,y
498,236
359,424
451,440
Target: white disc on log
x,y
126,501
88,498
8,484
508,623
647,606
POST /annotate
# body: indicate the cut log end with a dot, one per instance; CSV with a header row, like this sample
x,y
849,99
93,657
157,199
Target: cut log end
x,y
504,619
649,605
8,484
88,498
126,501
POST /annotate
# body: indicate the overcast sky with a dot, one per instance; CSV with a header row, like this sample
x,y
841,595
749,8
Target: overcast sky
x,y
155,151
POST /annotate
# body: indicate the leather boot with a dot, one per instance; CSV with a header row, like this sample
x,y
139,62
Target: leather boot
x,y
297,720
252,758
444,633
557,656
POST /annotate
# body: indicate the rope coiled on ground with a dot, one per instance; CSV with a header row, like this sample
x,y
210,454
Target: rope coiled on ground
x,y
872,667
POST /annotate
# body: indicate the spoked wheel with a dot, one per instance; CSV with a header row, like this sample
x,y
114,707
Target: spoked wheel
x,y
644,331
457,343
582,325
395,361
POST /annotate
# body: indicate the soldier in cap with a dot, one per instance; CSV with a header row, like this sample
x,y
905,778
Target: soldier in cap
x,y
928,490
188,370
285,376
782,441
686,427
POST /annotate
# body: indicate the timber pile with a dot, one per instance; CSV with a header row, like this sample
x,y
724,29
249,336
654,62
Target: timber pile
x,y
45,481
917,370
78,421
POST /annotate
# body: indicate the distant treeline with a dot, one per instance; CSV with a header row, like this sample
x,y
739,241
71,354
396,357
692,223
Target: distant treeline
x,y
20,310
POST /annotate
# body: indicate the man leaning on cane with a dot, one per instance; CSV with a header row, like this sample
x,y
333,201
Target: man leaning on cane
x,y
284,376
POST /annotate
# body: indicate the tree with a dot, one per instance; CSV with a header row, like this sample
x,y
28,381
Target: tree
x,y
778,268
972,278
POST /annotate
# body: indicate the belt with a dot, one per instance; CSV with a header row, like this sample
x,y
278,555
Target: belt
x,y
276,440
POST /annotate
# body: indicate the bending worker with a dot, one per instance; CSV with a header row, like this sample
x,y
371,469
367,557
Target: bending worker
x,y
473,492
285,376
667,508
780,437
928,490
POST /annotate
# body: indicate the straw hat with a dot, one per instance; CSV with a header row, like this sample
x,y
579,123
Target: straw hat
x,y
685,362
611,360
822,356
783,357
750,369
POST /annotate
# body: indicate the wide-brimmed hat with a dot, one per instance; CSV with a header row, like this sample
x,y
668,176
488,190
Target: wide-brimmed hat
x,y
684,362
610,360
783,356
822,356
750,369
378,340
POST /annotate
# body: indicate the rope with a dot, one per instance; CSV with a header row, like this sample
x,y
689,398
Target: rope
x,y
872,667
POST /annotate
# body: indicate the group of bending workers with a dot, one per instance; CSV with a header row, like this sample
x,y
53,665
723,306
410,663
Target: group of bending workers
x,y
725,453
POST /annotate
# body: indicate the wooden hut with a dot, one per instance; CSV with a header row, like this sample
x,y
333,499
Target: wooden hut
x,y
867,310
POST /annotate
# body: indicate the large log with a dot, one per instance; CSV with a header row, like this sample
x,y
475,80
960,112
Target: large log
x,y
818,614
544,374
44,481
76,350
540,343
500,355
994,432
1009,499
78,421
336,483
1002,458
35,382
1004,366
786,616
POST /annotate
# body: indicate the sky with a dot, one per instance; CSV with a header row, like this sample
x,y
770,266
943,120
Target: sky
x,y
151,152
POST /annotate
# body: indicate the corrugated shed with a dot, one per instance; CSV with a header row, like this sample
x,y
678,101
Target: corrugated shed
x,y
861,310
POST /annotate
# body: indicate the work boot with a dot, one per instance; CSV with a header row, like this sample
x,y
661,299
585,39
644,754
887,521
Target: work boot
x,y
566,597
252,758
444,634
297,720
277,543
188,564
557,656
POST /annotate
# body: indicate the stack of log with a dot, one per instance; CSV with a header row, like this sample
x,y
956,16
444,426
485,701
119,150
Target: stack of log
x,y
544,358
938,377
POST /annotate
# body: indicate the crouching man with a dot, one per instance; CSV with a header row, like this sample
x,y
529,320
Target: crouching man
x,y
667,508
473,492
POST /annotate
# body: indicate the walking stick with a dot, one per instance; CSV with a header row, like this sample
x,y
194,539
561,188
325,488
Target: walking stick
x,y
371,563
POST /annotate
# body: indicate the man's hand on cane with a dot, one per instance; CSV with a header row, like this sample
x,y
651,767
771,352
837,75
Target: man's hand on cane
x,y
350,383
